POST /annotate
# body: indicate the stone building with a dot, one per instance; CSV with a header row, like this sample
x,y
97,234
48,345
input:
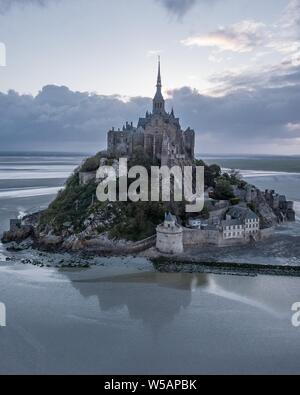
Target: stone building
x,y
15,224
169,238
283,208
240,227
158,135
240,223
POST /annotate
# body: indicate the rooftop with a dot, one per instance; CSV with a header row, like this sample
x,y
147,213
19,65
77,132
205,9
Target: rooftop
x,y
242,213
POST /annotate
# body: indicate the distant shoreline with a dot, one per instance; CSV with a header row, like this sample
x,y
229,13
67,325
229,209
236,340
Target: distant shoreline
x,y
275,164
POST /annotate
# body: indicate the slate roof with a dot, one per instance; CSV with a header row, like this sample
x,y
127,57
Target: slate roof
x,y
169,217
242,213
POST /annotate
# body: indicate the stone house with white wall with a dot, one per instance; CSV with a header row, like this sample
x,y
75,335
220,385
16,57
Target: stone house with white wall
x,y
246,220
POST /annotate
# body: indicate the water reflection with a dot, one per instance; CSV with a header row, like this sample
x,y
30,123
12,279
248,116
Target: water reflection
x,y
154,298
157,298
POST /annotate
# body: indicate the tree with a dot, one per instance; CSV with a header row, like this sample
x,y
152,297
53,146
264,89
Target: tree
x,y
235,177
215,170
93,163
223,189
211,173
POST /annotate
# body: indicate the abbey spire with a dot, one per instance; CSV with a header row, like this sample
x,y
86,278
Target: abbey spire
x,y
159,85
158,135
158,101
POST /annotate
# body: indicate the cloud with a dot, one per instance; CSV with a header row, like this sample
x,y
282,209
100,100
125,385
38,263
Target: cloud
x,y
249,111
6,5
294,127
58,118
241,119
154,52
244,36
175,7
291,16
278,75
248,36
178,7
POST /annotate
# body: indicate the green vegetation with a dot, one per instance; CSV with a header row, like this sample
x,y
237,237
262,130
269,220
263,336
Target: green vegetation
x,y
71,205
235,178
235,201
223,189
211,173
139,220
93,163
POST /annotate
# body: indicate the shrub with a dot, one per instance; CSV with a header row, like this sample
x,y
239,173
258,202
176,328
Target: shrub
x,y
93,163
235,201
71,205
223,189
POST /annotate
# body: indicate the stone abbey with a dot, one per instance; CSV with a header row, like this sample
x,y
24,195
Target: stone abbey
x,y
158,135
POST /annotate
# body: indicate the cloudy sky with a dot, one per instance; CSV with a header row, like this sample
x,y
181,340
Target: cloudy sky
x,y
75,68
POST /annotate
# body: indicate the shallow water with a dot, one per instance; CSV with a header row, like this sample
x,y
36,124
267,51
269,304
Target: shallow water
x,y
121,320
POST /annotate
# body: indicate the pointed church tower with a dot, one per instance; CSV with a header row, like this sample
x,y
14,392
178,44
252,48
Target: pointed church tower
x,y
159,101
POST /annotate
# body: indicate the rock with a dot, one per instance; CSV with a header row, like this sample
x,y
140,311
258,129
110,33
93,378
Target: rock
x,y
267,215
50,242
18,234
32,219
26,244
14,246
27,261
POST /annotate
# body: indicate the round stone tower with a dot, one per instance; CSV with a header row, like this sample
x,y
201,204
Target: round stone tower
x,y
170,236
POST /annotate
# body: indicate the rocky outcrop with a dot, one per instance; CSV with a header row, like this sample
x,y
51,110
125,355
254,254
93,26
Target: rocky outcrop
x,y
24,245
255,198
49,242
18,234
32,219
266,214
26,236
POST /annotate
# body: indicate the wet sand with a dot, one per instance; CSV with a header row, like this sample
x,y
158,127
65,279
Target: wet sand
x,y
125,318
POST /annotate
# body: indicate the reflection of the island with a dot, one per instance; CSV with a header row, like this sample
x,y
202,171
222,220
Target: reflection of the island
x,y
157,298
154,298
